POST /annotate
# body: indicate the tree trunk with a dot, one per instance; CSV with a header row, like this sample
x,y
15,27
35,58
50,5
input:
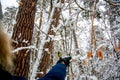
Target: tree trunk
x,y
46,59
75,41
22,35
115,32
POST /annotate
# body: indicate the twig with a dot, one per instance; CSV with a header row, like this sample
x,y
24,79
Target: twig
x,y
110,3
44,33
82,7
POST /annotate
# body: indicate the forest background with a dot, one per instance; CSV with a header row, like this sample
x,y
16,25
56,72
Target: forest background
x,y
87,30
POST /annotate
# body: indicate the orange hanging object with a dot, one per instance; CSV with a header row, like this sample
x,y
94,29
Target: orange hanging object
x,y
100,55
89,54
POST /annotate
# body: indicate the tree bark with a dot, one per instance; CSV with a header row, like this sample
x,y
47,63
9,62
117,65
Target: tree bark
x,y
22,35
46,59
75,41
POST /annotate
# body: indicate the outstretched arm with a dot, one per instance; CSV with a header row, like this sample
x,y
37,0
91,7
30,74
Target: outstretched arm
x,y
58,72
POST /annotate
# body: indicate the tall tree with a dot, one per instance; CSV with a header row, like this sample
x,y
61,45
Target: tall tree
x,y
22,35
114,22
114,9
45,61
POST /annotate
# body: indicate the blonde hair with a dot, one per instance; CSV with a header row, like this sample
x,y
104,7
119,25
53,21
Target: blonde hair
x,y
6,57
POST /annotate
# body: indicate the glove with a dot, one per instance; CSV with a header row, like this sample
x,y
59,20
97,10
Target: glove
x,y
66,60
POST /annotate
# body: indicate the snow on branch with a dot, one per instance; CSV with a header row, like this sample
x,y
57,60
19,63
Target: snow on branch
x,y
21,48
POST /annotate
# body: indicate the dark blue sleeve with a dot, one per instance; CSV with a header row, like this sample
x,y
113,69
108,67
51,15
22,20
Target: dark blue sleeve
x,y
18,78
58,72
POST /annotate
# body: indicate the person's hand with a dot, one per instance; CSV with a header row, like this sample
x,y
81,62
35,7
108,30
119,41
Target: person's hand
x,y
65,60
